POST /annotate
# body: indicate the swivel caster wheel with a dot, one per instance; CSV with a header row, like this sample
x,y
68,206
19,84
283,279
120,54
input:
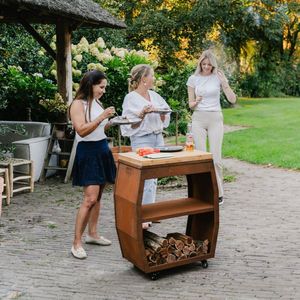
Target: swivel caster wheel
x,y
154,275
204,264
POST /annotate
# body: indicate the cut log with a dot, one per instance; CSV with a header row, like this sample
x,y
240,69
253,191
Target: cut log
x,y
172,241
193,254
179,236
156,238
171,249
179,245
177,253
161,260
171,258
148,252
163,252
152,245
192,247
202,246
186,251
205,246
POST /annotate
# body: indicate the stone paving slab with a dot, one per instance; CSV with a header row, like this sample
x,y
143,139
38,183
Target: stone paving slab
x,y
257,253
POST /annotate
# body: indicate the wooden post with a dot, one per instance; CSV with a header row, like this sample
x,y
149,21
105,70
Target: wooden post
x,y
64,59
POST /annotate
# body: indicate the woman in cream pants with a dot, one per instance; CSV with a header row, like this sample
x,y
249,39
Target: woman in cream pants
x,y
204,88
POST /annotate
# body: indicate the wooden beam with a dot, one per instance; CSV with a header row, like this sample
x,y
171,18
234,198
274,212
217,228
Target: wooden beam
x,y
64,59
38,38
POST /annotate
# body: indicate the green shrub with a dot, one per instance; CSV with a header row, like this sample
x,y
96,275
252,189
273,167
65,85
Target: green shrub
x,y
272,79
19,48
22,93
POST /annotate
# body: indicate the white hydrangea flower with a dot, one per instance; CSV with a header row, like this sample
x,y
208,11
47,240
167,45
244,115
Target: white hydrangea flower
x,y
107,57
82,48
53,45
74,50
120,53
100,67
38,75
91,66
94,51
84,42
78,57
75,86
54,73
100,43
77,73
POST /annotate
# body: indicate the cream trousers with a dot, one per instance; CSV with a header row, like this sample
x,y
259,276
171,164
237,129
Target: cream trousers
x,y
209,124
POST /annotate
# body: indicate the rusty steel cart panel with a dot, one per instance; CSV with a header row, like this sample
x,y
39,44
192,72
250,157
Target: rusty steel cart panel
x,y
201,206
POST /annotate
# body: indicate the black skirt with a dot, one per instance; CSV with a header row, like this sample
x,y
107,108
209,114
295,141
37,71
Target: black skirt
x,y
94,164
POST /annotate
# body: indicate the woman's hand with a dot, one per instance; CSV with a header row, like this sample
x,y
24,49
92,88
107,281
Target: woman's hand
x,y
222,77
108,112
198,99
147,109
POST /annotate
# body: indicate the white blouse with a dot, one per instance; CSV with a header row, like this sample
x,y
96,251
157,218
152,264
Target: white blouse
x,y
98,134
132,106
209,88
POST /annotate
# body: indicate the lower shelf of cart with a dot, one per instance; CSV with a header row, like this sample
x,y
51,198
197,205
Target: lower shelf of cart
x,y
174,208
178,263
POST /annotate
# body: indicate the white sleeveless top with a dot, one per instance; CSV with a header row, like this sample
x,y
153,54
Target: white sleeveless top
x,y
98,134
209,88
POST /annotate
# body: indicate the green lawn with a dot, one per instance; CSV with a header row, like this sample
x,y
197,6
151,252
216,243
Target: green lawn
x,y
273,136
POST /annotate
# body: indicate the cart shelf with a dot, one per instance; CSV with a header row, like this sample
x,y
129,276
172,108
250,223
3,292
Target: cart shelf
x,y
174,208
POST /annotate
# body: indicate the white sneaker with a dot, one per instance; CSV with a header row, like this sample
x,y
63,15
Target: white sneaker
x,y
146,225
102,241
78,253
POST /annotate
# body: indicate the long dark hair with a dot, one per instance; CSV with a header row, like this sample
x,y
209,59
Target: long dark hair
x,y
85,91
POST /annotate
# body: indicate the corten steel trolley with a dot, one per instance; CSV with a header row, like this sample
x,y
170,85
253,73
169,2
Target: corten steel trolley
x,y
201,206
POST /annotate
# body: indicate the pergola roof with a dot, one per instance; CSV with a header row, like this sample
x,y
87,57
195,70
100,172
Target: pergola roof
x,y
78,12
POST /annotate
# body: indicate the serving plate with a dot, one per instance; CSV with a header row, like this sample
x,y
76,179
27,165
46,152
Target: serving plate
x,y
124,121
162,111
170,148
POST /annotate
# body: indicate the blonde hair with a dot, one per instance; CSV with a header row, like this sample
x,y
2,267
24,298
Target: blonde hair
x,y
212,59
136,75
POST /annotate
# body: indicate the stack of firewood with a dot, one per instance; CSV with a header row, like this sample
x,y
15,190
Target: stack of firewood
x,y
175,246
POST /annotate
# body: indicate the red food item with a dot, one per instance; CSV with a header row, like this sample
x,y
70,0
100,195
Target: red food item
x,y
146,150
